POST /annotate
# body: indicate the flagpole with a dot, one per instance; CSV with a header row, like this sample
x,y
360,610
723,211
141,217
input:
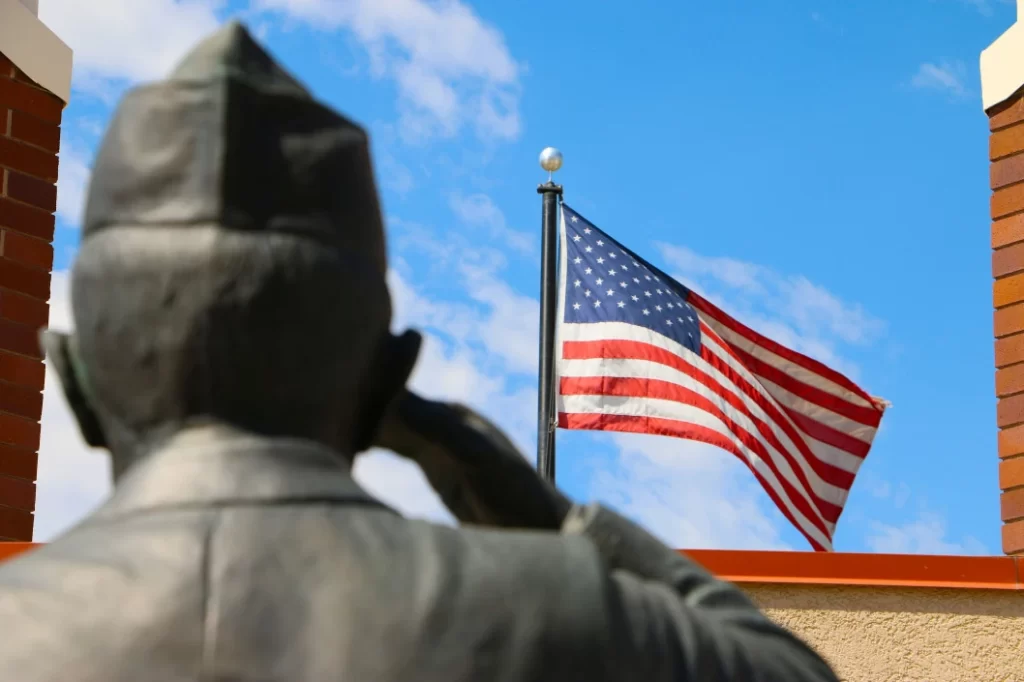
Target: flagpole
x,y
551,161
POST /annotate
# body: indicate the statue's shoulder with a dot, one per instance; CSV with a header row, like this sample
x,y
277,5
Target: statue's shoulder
x,y
524,558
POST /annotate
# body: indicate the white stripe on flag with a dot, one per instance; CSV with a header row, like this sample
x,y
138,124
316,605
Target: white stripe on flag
x,y
666,409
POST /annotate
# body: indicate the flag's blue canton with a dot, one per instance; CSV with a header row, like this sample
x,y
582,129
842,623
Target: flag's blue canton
x,y
605,283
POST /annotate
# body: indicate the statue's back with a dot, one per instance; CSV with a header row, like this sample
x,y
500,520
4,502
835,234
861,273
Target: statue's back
x,y
280,568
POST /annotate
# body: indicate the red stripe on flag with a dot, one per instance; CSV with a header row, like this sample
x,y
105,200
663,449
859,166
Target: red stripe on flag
x,y
626,350
827,471
829,401
675,429
709,309
631,349
815,429
664,390
828,435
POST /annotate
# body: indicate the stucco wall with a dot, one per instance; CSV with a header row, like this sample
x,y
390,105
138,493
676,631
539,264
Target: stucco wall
x,y
896,634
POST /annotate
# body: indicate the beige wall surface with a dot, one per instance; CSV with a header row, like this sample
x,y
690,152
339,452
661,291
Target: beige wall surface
x,y
896,634
34,48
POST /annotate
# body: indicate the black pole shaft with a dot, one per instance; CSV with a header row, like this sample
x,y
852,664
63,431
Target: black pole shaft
x,y
548,316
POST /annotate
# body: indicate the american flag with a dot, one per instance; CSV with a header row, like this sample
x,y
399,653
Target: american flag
x,y
638,352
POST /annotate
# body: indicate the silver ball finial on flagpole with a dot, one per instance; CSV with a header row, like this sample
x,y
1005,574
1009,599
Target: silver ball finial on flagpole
x,y
550,160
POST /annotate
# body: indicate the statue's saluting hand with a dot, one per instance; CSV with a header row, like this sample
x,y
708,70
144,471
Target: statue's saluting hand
x,y
478,472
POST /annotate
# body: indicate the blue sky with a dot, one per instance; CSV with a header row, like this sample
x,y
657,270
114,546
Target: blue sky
x,y
819,167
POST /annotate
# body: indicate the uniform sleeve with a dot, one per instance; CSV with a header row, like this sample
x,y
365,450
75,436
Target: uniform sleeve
x,y
667,619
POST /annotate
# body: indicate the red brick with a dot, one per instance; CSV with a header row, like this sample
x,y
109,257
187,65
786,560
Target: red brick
x,y
1006,171
16,524
14,275
1005,142
26,250
23,309
31,373
1007,231
1010,350
1006,114
1010,410
32,160
1010,380
19,432
1003,202
30,190
21,401
21,76
1013,537
1008,290
22,339
1011,505
31,100
35,131
1011,473
1008,320
26,219
18,493
19,462
1005,261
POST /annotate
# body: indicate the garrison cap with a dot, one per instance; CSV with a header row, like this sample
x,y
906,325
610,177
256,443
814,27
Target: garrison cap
x,y
230,138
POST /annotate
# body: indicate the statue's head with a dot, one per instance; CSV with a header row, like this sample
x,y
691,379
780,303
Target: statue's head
x,y
232,266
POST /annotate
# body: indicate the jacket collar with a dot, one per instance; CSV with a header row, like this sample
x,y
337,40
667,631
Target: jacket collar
x,y
216,465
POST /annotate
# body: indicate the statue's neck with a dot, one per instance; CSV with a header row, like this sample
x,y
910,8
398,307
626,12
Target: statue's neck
x,y
127,449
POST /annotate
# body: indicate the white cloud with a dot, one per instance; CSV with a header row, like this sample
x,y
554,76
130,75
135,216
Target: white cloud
x,y
911,526
72,478
478,209
926,534
511,326
72,181
789,309
90,126
498,322
689,494
117,43
395,176
731,272
945,76
475,353
896,495
401,484
447,370
452,69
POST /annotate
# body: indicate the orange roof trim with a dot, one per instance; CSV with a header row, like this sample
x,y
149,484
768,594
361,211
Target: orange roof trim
x,y
9,549
820,568
882,570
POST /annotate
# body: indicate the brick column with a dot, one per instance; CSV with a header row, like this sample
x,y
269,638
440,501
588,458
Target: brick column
x,y
1002,98
30,119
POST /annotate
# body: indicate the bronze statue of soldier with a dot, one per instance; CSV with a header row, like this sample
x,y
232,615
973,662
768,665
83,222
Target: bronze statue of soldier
x,y
232,350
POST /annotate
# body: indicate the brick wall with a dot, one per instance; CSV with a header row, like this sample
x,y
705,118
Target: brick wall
x,y
29,142
1006,152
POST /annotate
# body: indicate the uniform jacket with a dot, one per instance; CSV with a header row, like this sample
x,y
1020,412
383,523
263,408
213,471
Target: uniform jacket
x,y
227,558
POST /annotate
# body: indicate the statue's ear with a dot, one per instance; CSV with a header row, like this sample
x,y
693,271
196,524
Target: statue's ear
x,y
60,351
396,358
